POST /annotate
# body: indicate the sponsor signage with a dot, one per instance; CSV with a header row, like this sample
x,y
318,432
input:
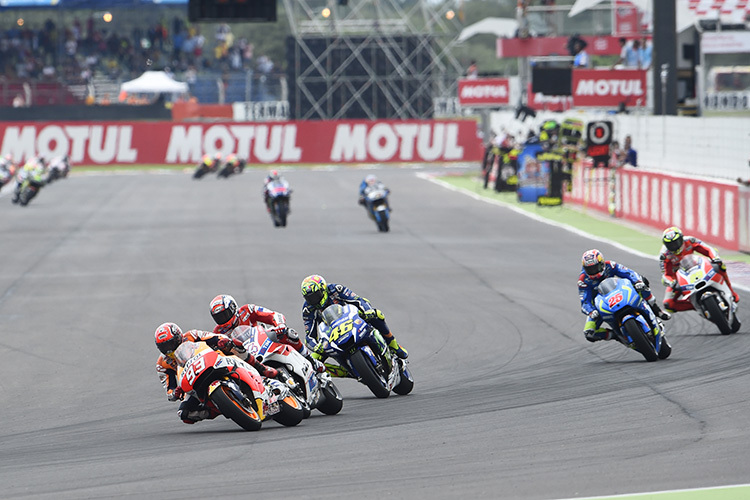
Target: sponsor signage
x,y
554,45
543,102
609,88
279,142
725,42
484,92
627,19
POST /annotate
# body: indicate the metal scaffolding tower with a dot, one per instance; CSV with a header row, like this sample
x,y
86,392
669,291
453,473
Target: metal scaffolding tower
x,y
370,58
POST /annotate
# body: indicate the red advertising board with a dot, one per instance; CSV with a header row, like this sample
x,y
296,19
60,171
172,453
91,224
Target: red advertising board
x,y
114,143
554,45
627,19
609,88
483,92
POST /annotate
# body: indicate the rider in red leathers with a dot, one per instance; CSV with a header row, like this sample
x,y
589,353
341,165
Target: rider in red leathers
x,y
228,316
168,337
676,246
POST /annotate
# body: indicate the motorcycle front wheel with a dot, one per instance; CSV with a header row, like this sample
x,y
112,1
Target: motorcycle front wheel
x,y
640,341
715,314
331,401
370,377
241,413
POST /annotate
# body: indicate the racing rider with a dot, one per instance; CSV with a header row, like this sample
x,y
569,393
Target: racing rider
x,y
273,176
228,316
676,246
595,270
319,295
370,183
168,336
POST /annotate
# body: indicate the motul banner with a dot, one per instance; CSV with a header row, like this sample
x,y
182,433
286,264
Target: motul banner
x,y
278,142
609,88
484,92
627,19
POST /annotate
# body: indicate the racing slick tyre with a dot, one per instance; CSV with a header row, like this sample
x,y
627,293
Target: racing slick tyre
x,y
369,375
665,349
298,390
407,382
736,324
331,401
291,412
715,314
641,343
242,413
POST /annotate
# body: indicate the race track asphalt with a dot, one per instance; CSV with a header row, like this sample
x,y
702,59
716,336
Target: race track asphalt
x,y
510,401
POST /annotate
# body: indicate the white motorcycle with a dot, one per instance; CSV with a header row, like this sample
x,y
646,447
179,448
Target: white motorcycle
x,y
314,390
708,292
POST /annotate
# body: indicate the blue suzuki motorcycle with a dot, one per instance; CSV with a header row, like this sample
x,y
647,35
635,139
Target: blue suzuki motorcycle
x,y
362,352
376,203
631,319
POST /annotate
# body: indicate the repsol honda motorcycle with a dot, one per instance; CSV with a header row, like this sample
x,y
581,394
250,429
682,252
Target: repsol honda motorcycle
x,y
361,351
235,388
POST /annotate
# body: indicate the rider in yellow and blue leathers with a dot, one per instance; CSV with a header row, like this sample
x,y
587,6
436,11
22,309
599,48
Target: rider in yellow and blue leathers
x,y
594,270
318,295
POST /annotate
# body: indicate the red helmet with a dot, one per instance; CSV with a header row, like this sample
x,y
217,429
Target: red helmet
x,y
168,337
224,311
593,263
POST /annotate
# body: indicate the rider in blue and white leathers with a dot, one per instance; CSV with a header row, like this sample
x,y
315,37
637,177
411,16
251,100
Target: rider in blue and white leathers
x,y
593,271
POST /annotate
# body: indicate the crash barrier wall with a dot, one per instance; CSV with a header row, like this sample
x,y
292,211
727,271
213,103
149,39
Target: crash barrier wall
x,y
110,112
714,211
704,146
351,141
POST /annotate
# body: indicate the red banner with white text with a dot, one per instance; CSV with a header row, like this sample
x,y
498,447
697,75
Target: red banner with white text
x,y
117,143
609,88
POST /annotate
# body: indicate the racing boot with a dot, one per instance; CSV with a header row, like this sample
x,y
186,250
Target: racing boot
x,y
316,364
337,371
659,312
399,351
598,334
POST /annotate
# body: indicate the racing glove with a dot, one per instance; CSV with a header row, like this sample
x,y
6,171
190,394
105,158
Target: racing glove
x,y
593,315
175,394
227,345
639,285
372,314
718,265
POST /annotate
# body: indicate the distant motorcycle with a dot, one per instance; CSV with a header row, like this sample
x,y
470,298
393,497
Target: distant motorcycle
x,y
708,292
279,195
376,203
206,168
631,318
58,169
235,388
362,352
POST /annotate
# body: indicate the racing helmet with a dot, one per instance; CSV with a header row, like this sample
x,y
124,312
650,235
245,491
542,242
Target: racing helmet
x,y
224,311
273,175
315,291
673,239
232,159
593,263
168,337
371,180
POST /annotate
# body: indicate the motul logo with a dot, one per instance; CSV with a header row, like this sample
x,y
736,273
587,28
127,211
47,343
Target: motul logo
x,y
484,91
615,88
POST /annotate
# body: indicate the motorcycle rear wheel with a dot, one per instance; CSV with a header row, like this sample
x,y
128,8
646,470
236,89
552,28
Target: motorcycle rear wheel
x,y
331,401
291,412
245,417
370,377
715,314
641,342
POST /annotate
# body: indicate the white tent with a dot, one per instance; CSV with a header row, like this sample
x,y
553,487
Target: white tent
x,y
498,26
154,82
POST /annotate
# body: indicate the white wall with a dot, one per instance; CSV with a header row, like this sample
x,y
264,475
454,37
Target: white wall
x,y
715,147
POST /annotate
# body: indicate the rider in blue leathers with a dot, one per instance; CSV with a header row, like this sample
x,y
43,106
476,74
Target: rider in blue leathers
x,y
318,295
594,270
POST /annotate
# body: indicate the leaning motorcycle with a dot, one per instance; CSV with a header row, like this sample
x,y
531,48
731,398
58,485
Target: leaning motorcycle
x,y
278,201
376,203
708,292
362,352
314,390
235,388
631,319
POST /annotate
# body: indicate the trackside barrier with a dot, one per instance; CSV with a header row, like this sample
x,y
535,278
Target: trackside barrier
x,y
715,211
